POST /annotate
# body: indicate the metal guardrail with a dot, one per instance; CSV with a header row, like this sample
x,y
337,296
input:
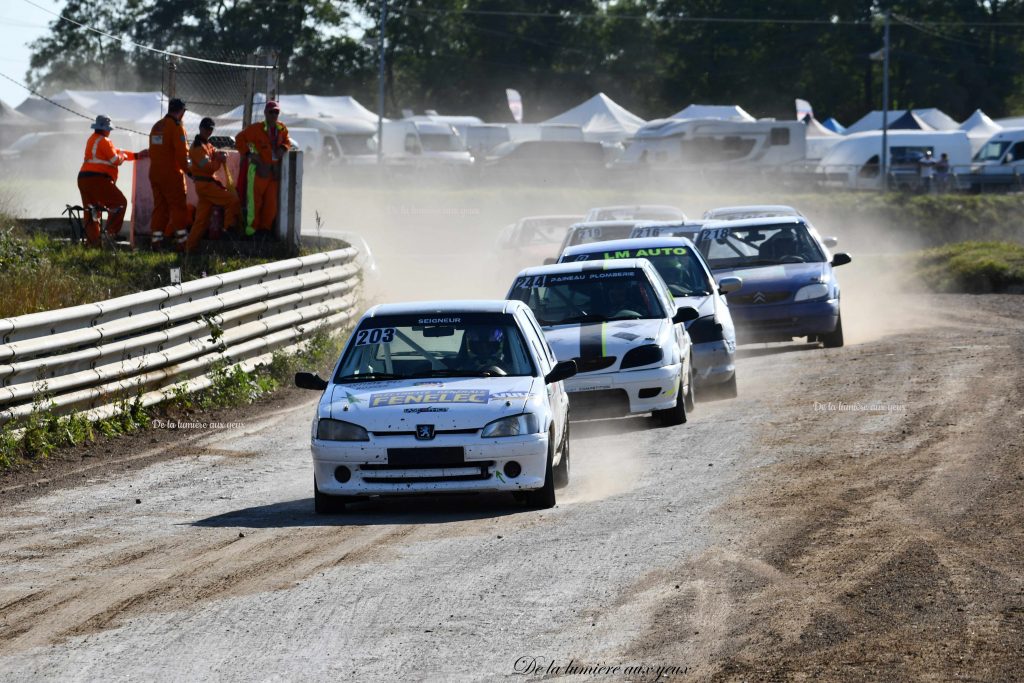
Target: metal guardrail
x,y
151,344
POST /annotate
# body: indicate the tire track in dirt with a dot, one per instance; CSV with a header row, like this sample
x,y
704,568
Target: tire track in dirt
x,y
882,564
161,577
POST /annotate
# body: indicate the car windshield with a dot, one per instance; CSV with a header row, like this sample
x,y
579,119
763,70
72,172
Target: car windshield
x,y
679,266
762,245
435,345
589,296
586,234
647,213
992,151
687,231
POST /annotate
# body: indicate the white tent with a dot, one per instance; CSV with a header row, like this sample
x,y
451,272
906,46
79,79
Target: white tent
x,y
309,107
979,123
935,118
980,129
816,130
136,109
602,119
713,111
9,116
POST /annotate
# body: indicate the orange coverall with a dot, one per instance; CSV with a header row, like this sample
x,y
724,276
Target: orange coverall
x,y
97,182
211,191
168,154
262,178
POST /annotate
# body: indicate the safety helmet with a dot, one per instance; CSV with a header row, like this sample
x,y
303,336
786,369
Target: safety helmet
x,y
484,340
102,123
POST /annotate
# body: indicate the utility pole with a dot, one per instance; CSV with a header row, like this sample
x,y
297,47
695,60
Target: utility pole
x,y
885,108
380,85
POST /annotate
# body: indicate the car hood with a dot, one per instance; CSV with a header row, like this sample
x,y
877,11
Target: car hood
x,y
588,342
446,403
781,278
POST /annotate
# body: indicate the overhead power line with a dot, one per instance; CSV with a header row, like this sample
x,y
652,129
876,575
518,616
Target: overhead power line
x,y
149,48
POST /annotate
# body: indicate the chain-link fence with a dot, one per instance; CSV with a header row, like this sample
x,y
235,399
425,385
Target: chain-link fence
x,y
220,84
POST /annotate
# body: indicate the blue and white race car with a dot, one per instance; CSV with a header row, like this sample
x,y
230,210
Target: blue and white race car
x,y
433,397
619,323
690,282
789,287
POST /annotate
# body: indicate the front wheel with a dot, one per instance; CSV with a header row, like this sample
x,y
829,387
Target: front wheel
x,y
561,471
324,504
675,415
544,497
834,339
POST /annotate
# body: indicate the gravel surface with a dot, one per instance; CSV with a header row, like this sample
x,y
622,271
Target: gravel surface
x,y
854,514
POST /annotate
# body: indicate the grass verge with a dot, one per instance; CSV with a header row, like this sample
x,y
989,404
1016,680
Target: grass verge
x,y
26,442
972,267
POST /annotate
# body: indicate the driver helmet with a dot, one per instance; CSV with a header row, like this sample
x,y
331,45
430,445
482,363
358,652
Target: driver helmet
x,y
674,272
484,341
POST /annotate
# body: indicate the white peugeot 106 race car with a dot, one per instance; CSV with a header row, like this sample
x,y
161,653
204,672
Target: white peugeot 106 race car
x,y
617,320
446,396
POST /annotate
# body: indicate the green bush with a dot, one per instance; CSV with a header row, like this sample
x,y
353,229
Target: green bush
x,y
973,267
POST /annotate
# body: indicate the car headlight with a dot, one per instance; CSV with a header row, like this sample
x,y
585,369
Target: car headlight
x,y
642,355
338,430
513,425
818,290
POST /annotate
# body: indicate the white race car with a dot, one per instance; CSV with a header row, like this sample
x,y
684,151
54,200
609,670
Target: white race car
x,y
617,320
689,280
443,396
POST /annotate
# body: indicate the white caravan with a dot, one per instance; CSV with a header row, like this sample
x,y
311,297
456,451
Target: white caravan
x,y
714,143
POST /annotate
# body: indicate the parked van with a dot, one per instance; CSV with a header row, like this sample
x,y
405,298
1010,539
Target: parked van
x,y
854,162
1000,160
714,143
423,143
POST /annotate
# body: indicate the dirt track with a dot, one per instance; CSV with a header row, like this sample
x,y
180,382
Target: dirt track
x,y
855,514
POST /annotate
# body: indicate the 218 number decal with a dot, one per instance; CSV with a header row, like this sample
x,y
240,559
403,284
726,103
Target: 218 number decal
x,y
375,336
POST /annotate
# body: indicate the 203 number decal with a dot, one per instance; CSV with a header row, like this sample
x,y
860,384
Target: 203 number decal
x,y
375,336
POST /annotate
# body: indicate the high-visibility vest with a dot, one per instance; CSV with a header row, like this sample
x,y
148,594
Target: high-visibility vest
x,y
102,157
168,147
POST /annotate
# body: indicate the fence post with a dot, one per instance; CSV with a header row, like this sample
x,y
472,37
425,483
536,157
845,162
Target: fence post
x,y
250,92
172,78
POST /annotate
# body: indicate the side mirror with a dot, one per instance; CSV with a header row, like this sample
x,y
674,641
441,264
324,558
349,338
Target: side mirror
x,y
685,314
550,260
841,259
728,285
830,241
309,380
563,370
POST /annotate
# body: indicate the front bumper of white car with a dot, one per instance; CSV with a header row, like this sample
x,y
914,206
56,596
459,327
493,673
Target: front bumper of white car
x,y
394,465
624,392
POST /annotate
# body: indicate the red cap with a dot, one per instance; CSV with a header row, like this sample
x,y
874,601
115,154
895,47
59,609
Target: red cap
x,y
272,105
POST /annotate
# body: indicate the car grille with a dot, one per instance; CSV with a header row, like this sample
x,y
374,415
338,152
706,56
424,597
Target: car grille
x,y
758,298
594,364
436,432
425,466
602,403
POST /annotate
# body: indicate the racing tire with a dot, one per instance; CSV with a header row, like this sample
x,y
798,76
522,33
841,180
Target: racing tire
x,y
834,339
561,471
324,504
691,400
675,415
544,497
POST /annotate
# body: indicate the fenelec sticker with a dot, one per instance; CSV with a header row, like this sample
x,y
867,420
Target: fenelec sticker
x,y
375,336
404,398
